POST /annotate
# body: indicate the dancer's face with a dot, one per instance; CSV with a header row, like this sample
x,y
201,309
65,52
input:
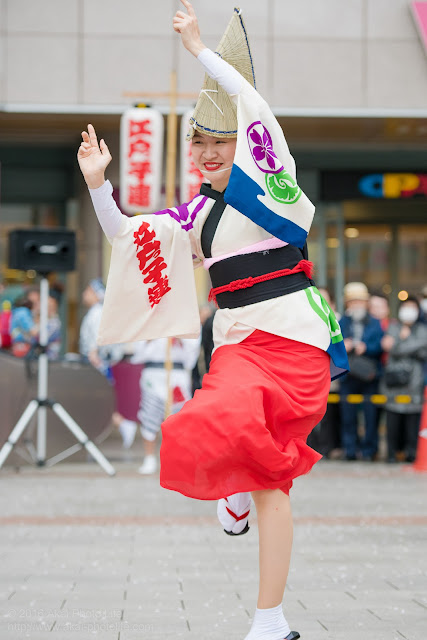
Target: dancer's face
x,y
214,158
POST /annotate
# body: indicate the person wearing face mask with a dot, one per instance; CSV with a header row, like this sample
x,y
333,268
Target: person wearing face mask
x,y
362,338
406,344
379,308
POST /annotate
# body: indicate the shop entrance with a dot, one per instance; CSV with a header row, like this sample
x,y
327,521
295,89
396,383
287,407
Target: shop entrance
x,y
383,244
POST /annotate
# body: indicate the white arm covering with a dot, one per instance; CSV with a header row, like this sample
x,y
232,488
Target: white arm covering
x,y
219,70
107,212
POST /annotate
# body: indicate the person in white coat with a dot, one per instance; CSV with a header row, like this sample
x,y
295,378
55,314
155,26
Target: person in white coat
x,y
93,298
155,384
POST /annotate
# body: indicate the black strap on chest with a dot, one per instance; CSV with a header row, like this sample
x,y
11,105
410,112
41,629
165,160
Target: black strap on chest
x,y
213,219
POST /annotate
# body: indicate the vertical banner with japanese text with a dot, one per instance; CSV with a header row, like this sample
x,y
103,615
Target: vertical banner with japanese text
x,y
191,178
141,149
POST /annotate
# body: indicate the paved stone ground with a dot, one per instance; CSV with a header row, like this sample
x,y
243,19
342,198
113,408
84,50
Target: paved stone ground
x,y
87,556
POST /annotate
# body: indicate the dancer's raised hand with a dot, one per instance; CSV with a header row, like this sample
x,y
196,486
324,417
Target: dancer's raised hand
x,y
93,158
186,24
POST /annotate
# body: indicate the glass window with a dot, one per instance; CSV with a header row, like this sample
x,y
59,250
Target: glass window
x,y
412,257
367,254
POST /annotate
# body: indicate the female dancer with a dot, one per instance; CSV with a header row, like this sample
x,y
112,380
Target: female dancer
x,y
276,339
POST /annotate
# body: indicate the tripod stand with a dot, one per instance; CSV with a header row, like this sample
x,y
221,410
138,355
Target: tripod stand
x,y
41,404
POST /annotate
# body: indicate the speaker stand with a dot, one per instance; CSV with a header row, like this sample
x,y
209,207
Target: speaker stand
x,y
41,404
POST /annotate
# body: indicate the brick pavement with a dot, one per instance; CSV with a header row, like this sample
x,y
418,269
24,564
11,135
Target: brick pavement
x,y
86,556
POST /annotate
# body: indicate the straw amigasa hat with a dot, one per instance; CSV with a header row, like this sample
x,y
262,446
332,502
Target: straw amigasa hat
x,y
215,113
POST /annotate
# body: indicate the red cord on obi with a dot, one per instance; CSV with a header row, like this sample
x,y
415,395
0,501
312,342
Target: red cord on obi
x,y
304,266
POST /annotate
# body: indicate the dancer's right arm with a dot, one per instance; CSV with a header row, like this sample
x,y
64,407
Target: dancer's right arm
x,y
93,160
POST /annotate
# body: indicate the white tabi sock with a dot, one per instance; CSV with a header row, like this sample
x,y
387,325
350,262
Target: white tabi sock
x,y
233,512
269,624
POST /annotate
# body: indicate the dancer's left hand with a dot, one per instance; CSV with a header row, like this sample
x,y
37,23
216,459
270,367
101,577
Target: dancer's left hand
x,y
186,24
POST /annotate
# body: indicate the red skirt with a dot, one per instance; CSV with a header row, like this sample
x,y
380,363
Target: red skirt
x,y
246,429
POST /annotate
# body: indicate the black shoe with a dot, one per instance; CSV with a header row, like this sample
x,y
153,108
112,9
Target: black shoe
x,y
347,457
294,635
391,460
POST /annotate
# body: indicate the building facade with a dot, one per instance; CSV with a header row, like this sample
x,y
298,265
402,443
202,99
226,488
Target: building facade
x,y
347,81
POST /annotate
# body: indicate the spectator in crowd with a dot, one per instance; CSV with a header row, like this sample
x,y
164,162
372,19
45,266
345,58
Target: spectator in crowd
x,y
423,305
126,375
112,361
379,308
406,344
23,329
33,295
11,292
54,328
362,338
93,297
155,384
423,319
330,300
5,322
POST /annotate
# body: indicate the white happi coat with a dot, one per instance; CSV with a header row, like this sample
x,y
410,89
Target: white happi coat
x,y
151,290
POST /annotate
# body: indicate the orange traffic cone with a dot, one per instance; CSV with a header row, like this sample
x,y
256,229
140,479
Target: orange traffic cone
x,y
420,463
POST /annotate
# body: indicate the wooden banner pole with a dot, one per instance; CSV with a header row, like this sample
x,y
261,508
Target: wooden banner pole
x,y
171,143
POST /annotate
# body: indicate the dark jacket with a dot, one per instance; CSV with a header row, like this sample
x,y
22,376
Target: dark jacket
x,y
372,336
407,356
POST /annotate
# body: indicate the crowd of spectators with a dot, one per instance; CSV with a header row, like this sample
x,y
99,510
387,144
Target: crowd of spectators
x,y
383,393
387,356
20,322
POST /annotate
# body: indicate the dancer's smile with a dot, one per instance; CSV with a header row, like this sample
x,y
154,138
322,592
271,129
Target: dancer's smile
x,y
212,166
214,157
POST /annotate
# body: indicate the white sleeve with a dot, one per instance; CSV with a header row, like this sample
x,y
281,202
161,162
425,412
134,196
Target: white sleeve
x,y
107,212
219,70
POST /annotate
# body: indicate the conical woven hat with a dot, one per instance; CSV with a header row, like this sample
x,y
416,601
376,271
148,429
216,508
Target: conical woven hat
x,y
215,113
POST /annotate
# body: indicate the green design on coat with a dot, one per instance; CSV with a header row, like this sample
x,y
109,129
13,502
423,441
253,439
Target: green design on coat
x,y
325,312
282,187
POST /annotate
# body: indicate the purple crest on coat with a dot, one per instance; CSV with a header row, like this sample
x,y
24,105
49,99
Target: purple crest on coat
x,y
261,146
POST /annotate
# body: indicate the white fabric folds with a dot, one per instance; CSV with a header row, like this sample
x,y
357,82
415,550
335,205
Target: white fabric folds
x,y
150,289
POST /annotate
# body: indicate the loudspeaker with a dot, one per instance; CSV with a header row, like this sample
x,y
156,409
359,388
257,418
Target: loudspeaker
x,y
43,250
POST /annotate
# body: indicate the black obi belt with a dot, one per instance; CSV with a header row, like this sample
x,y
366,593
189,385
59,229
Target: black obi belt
x,y
238,281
